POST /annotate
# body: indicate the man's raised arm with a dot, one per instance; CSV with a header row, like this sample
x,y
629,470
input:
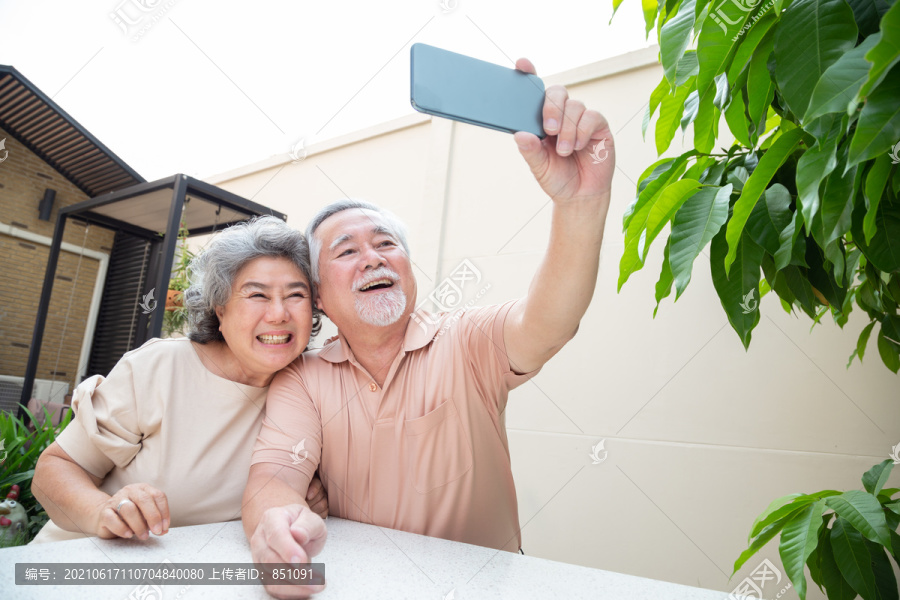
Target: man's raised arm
x,y
574,165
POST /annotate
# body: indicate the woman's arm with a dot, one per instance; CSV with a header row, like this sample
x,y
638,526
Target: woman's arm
x,y
73,500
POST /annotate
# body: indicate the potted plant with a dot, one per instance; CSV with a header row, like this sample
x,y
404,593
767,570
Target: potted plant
x,y
175,316
844,538
20,448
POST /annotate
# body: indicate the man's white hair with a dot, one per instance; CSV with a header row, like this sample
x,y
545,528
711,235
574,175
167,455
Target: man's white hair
x,y
391,221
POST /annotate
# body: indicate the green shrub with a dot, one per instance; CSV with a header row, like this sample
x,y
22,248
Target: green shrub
x,y
22,446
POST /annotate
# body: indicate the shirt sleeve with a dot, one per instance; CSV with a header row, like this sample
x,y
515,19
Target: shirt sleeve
x,y
105,431
291,432
483,338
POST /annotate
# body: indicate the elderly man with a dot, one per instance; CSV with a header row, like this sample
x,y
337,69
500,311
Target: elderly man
x,y
406,426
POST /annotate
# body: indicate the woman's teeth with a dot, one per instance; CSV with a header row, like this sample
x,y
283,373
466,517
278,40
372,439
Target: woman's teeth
x,y
274,339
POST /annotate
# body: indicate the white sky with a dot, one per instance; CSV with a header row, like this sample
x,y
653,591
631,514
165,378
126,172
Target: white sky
x,y
211,86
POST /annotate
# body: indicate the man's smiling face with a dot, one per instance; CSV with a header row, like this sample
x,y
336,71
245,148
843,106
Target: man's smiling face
x,y
365,274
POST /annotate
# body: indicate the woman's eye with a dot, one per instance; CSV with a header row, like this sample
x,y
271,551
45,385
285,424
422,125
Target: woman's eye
x,y
257,295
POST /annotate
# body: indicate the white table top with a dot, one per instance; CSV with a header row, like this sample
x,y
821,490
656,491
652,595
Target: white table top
x,y
361,561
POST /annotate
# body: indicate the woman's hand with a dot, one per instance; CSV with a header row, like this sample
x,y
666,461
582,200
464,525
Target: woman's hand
x,y
134,511
316,497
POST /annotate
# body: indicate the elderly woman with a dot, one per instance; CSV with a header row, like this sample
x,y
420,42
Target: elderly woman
x,y
166,439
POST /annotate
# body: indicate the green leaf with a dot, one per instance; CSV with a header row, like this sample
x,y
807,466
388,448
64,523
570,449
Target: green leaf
x,y
738,293
786,240
893,507
815,165
650,184
691,106
762,175
836,586
751,41
867,14
760,87
876,179
878,128
885,580
718,43
852,558
664,285
686,68
875,478
736,117
696,222
863,511
675,36
670,112
798,539
650,9
769,218
761,540
883,251
889,344
656,97
821,277
664,209
886,52
838,85
864,340
774,505
783,512
635,237
706,125
812,35
835,217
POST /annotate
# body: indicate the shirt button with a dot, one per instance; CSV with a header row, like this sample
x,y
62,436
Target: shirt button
x,y
373,387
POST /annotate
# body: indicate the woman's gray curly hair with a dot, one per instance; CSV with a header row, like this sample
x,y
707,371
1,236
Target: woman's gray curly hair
x,y
213,271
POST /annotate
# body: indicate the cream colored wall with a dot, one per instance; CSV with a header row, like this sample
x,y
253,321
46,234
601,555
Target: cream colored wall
x,y
700,434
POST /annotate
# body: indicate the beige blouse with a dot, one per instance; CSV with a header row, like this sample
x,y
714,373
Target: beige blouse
x,y
162,418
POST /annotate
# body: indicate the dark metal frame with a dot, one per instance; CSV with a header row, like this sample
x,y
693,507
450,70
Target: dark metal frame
x,y
181,186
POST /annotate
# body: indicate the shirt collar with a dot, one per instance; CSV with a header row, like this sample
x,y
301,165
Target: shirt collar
x,y
420,331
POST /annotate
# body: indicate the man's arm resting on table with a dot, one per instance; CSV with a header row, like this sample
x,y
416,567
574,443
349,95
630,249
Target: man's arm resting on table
x,y
277,520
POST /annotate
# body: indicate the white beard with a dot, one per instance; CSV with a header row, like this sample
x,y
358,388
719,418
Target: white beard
x,y
382,309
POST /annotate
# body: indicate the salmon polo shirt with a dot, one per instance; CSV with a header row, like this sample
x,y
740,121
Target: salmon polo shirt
x,y
427,453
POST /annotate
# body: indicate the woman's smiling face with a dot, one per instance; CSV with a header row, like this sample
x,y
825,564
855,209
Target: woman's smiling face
x,y
268,318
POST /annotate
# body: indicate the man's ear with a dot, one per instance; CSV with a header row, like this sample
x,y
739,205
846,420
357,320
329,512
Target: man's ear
x,y
319,304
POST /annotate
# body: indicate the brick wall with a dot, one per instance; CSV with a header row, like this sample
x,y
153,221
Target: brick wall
x,y
23,179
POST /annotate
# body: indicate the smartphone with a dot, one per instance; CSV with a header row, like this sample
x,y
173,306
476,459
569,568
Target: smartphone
x,y
462,88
